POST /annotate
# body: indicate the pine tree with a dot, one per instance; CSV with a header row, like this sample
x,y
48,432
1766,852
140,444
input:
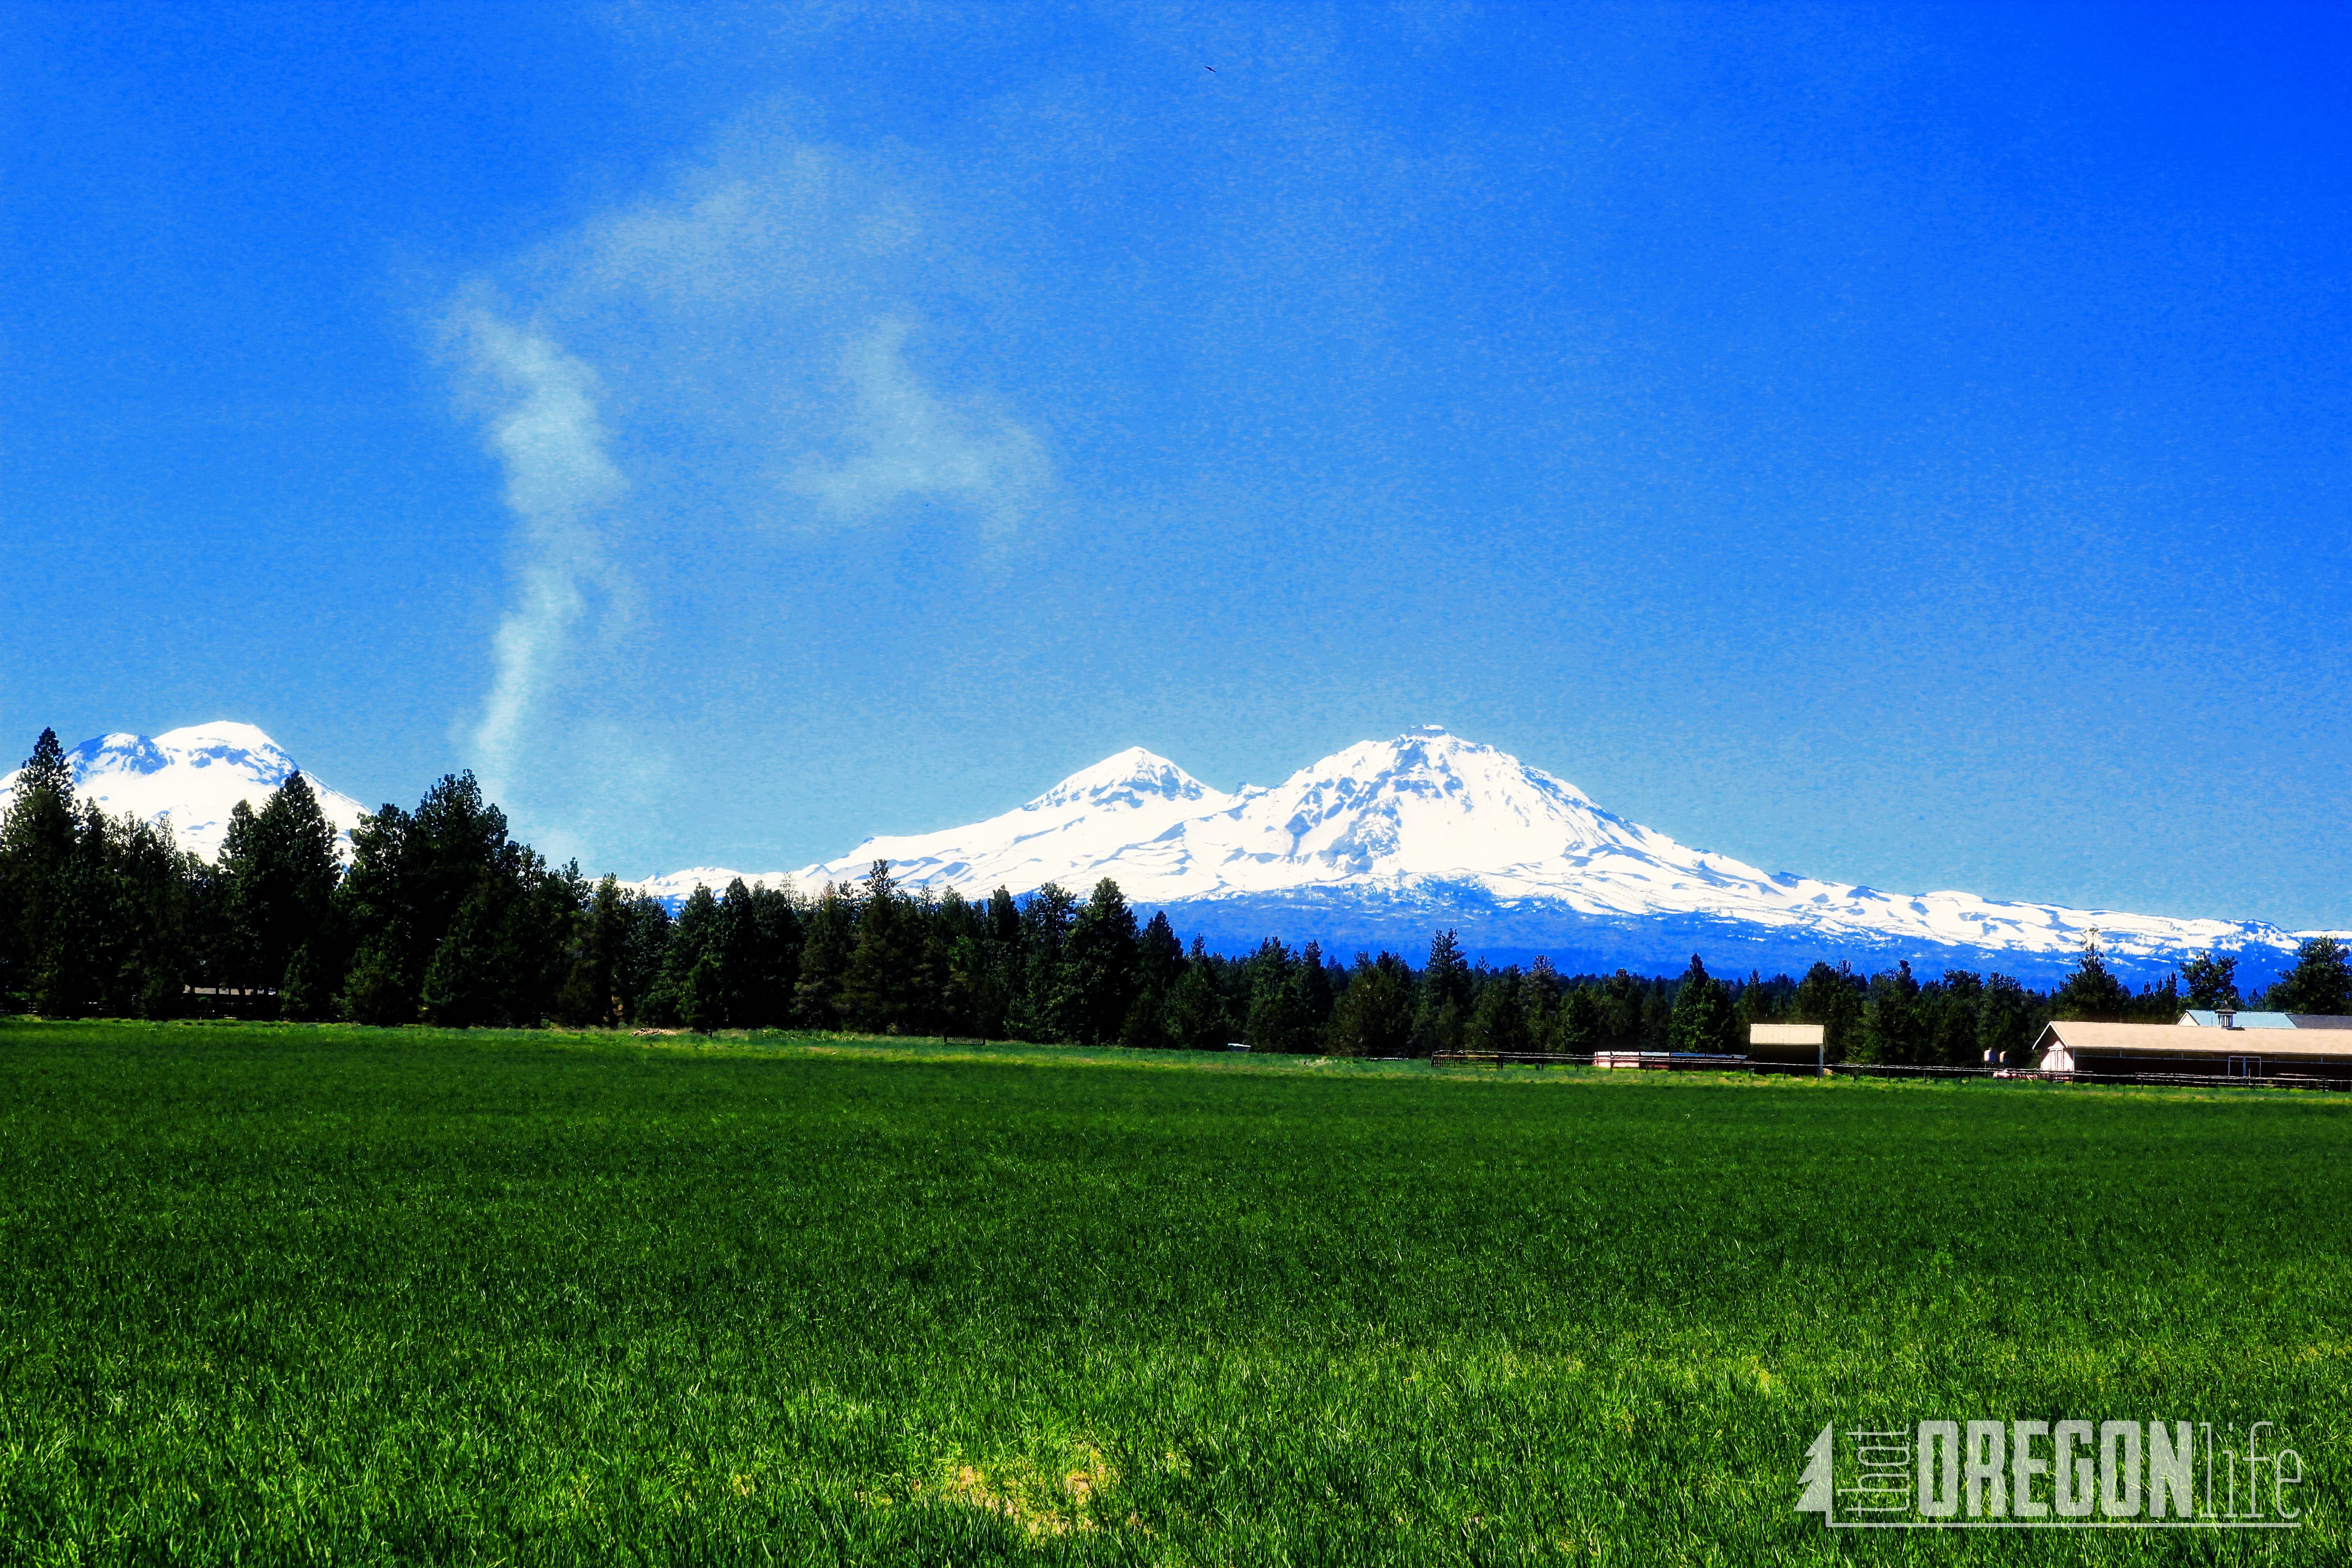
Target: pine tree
x,y
825,959
1753,1006
1438,1020
638,948
2092,992
1619,1006
1372,1015
1831,999
1103,958
373,912
1497,1022
304,993
1657,1026
2211,980
1539,1001
461,980
1314,993
1950,1008
2320,981
1892,1028
1196,1009
1580,1022
36,839
1145,1027
374,990
771,935
1273,1021
701,994
1045,1005
881,991
79,955
1702,1019
1160,955
2005,1025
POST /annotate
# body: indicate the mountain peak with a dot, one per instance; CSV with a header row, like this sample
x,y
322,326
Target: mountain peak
x,y
193,776
1130,778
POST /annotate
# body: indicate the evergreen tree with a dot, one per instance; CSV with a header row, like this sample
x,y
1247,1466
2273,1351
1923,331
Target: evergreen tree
x,y
2005,1023
586,997
638,945
461,980
1160,955
1439,1018
770,938
77,954
1196,1009
1372,1015
1104,956
278,868
374,990
1539,1001
1620,1000
1497,1021
1657,1025
1754,1006
374,914
2320,981
825,947
702,993
1892,1028
1274,1022
2210,980
1580,1032
1949,1009
1313,993
36,839
1145,1027
304,994
1702,1019
1044,1005
697,931
881,990
1831,999
2092,992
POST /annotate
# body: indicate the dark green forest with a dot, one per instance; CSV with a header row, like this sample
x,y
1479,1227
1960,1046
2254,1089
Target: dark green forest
x,y
441,916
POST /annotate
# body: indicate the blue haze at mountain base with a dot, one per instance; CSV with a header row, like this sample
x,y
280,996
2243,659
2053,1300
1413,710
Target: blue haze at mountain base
x,y
1502,932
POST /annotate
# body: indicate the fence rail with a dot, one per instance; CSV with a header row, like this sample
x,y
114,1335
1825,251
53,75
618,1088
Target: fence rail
x,y
1680,1061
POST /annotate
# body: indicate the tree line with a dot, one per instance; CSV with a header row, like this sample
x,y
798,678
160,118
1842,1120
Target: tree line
x,y
441,916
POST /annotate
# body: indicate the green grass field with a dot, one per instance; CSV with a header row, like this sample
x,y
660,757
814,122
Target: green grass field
x,y
341,1295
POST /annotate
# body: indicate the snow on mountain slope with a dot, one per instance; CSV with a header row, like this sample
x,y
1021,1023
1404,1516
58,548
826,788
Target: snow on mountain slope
x,y
1429,820
195,776
1096,815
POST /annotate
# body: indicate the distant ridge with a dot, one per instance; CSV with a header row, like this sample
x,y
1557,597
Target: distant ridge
x,y
1379,842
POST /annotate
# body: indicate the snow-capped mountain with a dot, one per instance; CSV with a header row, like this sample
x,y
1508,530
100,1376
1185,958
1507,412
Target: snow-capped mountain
x,y
195,776
1379,842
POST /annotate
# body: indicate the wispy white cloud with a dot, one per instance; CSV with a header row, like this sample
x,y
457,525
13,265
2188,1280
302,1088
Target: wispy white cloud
x,y
914,443
752,355
539,410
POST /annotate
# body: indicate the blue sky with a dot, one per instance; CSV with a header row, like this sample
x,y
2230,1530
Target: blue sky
x,y
1901,443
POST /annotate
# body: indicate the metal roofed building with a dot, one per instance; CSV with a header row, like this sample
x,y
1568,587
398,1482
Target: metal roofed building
x,y
2202,1018
2278,1053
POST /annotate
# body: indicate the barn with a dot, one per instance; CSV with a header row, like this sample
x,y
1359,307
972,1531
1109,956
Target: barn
x,y
1785,1047
2290,1055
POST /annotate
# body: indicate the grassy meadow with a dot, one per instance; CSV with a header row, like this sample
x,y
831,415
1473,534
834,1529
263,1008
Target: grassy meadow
x,y
338,1295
